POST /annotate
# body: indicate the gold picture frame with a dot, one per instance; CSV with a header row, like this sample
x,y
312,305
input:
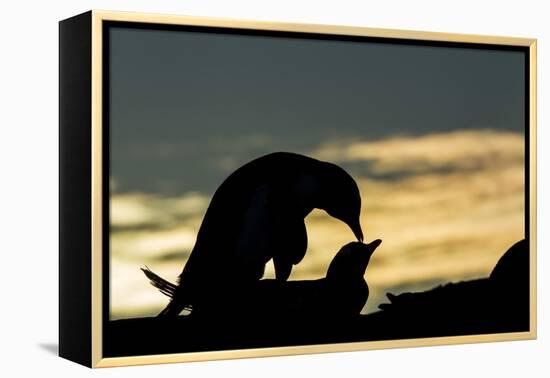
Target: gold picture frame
x,y
82,307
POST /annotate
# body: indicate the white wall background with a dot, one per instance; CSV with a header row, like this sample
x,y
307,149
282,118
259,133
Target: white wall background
x,y
28,200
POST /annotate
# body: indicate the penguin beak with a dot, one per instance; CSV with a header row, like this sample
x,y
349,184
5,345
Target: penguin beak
x,y
356,228
372,246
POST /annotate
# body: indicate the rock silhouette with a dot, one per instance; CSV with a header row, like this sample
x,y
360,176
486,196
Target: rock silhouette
x,y
499,302
496,304
510,282
257,214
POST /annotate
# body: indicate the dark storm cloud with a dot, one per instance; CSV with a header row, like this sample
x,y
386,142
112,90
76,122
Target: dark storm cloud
x,y
188,108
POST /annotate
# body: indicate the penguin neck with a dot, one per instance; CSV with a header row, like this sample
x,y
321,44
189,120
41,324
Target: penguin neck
x,y
308,191
347,275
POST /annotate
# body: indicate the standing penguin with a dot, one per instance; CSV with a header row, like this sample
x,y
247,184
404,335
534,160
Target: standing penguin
x,y
257,214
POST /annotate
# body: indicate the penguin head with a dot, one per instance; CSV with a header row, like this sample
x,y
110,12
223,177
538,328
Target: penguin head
x,y
340,197
351,261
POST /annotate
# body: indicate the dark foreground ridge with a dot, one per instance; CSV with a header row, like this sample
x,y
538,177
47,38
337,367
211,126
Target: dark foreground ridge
x,y
496,304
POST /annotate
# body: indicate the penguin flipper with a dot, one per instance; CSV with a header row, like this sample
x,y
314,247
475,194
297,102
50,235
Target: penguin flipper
x,y
252,247
289,244
273,227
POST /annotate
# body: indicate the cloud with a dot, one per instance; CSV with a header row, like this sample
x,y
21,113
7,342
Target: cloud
x,y
130,210
437,225
458,150
147,245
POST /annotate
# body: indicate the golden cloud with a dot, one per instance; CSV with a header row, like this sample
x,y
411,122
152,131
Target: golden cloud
x,y
139,209
459,149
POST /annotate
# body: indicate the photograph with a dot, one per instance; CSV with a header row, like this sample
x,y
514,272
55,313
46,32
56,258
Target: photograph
x,y
275,188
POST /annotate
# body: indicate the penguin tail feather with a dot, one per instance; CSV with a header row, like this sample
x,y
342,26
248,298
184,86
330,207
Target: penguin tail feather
x,y
169,289
165,287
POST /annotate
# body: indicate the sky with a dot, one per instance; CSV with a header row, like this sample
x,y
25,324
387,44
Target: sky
x,y
434,136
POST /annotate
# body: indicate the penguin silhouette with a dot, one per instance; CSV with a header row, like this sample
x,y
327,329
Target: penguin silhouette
x,y
342,293
257,214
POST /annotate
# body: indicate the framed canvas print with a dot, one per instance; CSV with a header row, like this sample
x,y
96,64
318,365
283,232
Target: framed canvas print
x,y
237,188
